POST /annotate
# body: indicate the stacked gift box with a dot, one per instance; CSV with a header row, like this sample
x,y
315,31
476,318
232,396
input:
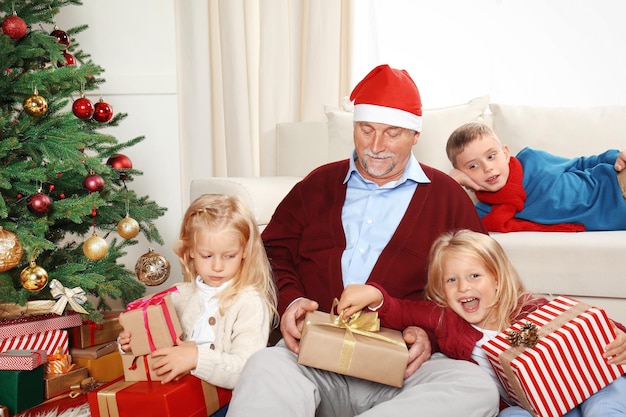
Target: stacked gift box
x,y
153,323
551,361
26,344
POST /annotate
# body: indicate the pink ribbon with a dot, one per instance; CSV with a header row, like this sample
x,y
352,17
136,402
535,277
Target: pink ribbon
x,y
155,300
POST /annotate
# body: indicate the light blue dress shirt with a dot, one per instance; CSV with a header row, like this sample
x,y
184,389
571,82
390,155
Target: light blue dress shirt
x,y
370,216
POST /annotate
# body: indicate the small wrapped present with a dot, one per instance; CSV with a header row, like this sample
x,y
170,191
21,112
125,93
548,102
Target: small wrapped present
x,y
21,326
139,368
187,397
152,323
551,361
50,341
20,390
59,363
104,368
22,360
56,384
31,308
357,347
94,352
91,334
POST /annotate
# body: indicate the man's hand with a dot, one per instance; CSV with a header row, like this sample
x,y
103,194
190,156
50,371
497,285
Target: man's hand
x,y
292,321
419,348
464,180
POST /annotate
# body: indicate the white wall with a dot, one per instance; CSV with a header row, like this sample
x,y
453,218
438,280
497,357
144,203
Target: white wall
x,y
134,41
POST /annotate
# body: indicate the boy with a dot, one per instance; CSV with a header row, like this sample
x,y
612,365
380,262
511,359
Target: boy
x,y
535,190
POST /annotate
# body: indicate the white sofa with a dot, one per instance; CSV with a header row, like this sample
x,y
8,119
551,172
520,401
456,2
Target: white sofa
x,y
590,266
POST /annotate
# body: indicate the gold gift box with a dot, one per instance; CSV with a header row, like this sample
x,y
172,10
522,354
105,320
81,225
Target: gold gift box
x,y
380,356
57,384
103,369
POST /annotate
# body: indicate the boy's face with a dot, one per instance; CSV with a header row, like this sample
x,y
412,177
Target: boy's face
x,y
486,162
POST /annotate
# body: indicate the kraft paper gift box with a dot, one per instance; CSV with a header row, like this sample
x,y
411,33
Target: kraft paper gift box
x,y
564,367
379,356
56,384
103,369
94,352
139,368
50,341
22,360
91,334
20,390
152,323
187,397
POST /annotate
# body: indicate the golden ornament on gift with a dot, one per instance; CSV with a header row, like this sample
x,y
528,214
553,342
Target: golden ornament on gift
x,y
152,268
35,105
33,278
10,250
95,247
128,227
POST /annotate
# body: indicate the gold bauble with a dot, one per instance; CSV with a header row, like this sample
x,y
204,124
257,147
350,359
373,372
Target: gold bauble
x,y
35,105
95,247
10,250
152,268
33,277
128,228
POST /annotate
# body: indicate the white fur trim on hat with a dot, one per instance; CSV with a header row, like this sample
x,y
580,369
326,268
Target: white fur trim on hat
x,y
387,115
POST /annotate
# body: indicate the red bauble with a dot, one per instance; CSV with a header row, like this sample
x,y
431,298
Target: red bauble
x,y
14,27
103,112
120,161
93,183
61,36
69,60
83,108
39,203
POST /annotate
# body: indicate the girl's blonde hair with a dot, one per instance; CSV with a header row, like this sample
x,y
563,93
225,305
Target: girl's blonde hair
x,y
487,251
215,212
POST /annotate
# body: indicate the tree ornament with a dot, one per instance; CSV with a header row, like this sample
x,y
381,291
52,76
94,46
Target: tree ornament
x,y
120,162
61,35
14,26
39,203
83,108
95,247
33,278
152,268
93,182
35,105
69,60
103,112
10,250
128,227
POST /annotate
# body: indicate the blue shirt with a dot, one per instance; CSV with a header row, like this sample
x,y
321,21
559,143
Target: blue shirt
x,y
370,216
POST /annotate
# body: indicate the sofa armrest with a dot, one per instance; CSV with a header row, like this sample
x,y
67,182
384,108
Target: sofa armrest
x,y
262,194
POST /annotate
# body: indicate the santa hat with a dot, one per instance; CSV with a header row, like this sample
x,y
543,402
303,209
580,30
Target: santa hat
x,y
388,96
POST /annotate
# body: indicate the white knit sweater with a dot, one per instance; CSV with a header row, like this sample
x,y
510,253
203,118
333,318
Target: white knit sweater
x,y
243,330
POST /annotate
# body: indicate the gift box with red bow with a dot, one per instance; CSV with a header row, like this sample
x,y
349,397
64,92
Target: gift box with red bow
x,y
92,334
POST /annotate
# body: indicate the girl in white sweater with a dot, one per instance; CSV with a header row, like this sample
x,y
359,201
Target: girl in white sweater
x,y
226,305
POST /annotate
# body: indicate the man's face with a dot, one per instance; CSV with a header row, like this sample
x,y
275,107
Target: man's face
x,y
486,161
383,151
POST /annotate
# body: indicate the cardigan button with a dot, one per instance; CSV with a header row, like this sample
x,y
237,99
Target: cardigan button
x,y
212,321
212,346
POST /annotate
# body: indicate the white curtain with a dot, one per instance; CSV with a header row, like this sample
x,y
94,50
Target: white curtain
x,y
245,65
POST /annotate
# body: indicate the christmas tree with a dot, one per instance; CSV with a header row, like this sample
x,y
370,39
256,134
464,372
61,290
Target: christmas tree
x,y
67,212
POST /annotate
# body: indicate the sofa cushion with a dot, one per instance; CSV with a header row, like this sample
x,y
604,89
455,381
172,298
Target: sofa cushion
x,y
565,131
431,147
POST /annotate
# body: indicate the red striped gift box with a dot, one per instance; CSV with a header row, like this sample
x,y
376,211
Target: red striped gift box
x,y
36,324
22,360
48,341
565,367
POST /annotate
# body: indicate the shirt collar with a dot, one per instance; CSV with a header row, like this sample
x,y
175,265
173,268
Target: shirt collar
x,y
413,171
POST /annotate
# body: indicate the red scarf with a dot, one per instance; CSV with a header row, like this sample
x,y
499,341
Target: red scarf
x,y
509,200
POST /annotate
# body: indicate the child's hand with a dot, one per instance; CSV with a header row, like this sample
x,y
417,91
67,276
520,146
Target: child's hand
x,y
616,350
465,181
175,361
124,340
355,297
620,162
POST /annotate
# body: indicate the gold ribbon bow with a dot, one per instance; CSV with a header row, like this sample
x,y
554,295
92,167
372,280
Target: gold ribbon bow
x,y
527,336
74,296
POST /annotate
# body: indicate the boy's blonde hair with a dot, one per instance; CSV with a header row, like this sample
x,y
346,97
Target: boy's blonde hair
x,y
215,212
490,254
463,135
